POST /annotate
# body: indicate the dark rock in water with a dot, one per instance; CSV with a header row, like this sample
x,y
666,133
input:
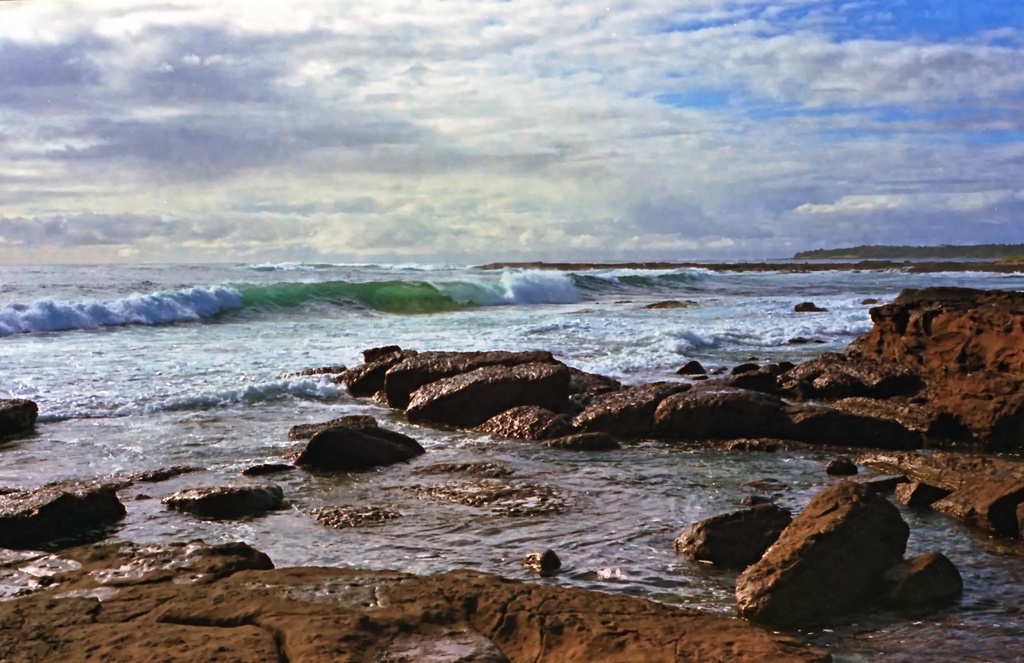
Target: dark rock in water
x,y
721,413
767,484
671,303
163,474
764,379
428,367
990,504
17,415
585,442
808,307
629,412
367,379
832,376
545,563
470,399
749,367
492,470
507,498
841,467
822,425
527,422
322,370
306,431
919,495
344,517
371,355
226,501
734,540
692,367
57,515
881,485
267,468
828,562
754,500
224,603
799,340
582,383
924,581
342,448
869,301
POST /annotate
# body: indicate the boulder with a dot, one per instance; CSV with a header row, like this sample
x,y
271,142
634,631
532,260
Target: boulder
x,y
717,413
584,442
306,431
808,307
762,378
226,501
367,379
266,468
824,425
828,562
422,369
545,563
17,415
734,540
629,412
470,399
202,604
344,448
320,370
57,515
371,355
527,422
924,581
919,495
692,367
841,467
989,503
942,469
832,376
585,384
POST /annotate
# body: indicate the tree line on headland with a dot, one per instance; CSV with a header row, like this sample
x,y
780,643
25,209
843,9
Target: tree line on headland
x,y
942,252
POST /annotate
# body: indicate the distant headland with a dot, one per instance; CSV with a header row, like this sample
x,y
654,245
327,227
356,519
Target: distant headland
x,y
943,252
1007,265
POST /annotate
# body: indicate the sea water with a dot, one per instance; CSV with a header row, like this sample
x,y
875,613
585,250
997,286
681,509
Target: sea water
x,y
143,367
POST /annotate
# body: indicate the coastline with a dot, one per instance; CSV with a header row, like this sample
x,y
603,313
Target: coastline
x,y
909,266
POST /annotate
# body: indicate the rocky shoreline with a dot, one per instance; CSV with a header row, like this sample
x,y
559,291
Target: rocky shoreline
x,y
790,266
940,368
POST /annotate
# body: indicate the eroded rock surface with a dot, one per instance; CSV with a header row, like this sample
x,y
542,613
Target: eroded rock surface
x,y
528,422
628,412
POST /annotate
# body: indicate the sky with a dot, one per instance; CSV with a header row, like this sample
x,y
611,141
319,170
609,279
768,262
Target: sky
x,y
458,131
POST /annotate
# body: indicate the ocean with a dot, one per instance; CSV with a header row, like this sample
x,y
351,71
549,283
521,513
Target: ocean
x,y
140,367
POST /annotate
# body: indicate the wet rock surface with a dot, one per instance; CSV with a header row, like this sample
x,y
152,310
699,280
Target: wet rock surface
x,y
507,498
17,415
721,413
343,448
527,422
227,501
192,603
926,580
344,517
306,431
734,540
57,514
628,412
585,442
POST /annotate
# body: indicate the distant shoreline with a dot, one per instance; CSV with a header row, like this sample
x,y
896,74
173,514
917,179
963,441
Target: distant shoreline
x,y
913,267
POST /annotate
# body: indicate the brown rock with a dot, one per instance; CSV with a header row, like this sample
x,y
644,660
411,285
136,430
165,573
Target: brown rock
x,y
306,431
841,467
344,517
692,367
422,369
267,468
469,399
926,580
371,355
823,425
990,504
227,501
629,412
833,376
367,379
808,307
177,611
17,415
585,442
57,515
545,563
948,470
721,413
828,562
671,303
342,448
322,370
527,422
586,384
919,495
734,540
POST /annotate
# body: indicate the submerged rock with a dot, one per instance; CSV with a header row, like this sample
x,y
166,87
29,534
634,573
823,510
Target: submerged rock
x,y
227,501
926,580
17,415
734,540
344,517
585,442
343,448
57,515
828,562
508,498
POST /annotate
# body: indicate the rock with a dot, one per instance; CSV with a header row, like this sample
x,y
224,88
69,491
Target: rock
x,y
629,412
527,422
762,378
692,367
869,301
344,517
841,467
717,413
371,355
909,414
506,498
469,399
881,485
948,470
343,448
823,425
306,431
990,504
492,470
220,606
768,445
754,500
808,307
585,442
17,415
226,501
267,468
832,376
545,563
162,474
919,495
586,384
924,581
425,368
671,303
828,562
734,540
749,367
322,370
57,515
368,379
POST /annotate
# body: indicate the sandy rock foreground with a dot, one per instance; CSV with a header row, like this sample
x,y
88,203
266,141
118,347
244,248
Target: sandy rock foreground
x,y
193,602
